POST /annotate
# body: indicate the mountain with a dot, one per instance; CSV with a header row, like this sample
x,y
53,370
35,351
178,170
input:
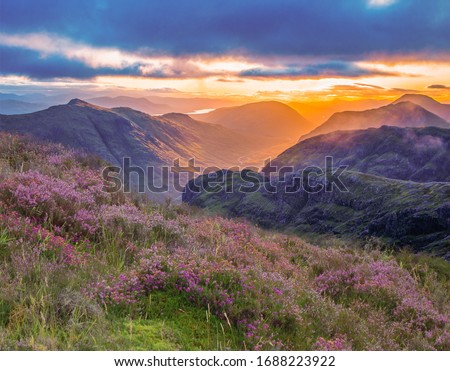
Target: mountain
x,y
140,104
180,136
30,97
13,106
418,154
440,109
114,134
265,120
319,111
270,127
123,132
402,114
405,213
81,125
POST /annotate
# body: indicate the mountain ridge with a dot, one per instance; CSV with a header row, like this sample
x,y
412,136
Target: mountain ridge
x,y
402,114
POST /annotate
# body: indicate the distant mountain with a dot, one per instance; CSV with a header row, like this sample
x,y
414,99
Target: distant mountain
x,y
191,104
403,114
12,107
264,120
405,213
270,128
30,97
418,154
140,104
319,111
442,110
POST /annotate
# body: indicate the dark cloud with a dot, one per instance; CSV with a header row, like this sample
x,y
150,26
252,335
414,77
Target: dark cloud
x,y
370,86
401,90
25,62
19,61
326,69
328,28
438,86
229,80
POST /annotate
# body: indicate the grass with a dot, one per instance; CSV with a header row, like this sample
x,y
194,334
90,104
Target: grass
x,y
129,274
167,321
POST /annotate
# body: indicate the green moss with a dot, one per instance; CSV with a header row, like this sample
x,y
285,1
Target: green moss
x,y
167,321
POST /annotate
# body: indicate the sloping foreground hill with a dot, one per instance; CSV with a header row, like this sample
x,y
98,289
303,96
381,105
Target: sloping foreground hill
x,y
82,269
406,213
418,154
402,114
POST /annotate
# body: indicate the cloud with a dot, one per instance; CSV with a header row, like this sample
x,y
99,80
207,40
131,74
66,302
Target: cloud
x,y
438,86
32,64
229,80
401,90
380,3
370,86
45,55
317,70
49,48
61,54
330,29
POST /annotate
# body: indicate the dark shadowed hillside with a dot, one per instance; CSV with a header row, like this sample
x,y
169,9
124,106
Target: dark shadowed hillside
x,y
404,213
418,154
81,125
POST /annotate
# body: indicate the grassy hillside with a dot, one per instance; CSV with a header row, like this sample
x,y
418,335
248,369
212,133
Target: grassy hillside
x,y
83,269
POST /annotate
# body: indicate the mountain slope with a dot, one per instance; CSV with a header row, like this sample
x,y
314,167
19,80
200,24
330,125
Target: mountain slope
x,y
85,126
403,114
418,154
440,109
178,135
99,254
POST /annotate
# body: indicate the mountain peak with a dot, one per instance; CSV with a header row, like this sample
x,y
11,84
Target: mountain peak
x,y
78,102
430,104
415,98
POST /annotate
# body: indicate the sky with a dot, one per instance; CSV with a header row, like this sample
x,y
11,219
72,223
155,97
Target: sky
x,y
279,49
